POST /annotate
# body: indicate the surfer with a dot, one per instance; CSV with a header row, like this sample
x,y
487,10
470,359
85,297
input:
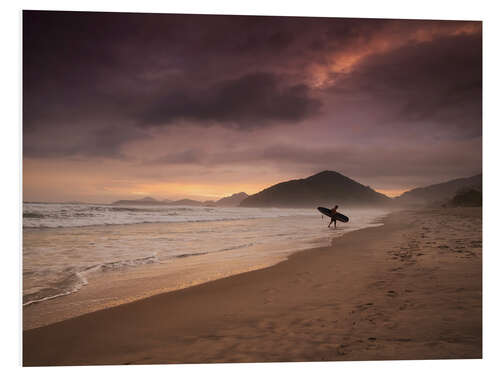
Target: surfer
x,y
334,211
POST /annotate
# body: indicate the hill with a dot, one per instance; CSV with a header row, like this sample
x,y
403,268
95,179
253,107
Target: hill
x,y
186,202
440,192
233,200
468,198
325,188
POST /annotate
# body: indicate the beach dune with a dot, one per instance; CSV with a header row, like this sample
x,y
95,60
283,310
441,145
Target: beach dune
x,y
410,289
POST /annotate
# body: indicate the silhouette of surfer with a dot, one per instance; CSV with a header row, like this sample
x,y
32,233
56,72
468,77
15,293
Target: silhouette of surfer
x,y
334,211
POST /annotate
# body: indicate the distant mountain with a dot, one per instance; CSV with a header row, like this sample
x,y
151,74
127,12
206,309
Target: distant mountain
x,y
186,202
233,200
323,189
440,192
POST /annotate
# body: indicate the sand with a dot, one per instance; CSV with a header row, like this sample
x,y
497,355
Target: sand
x,y
411,289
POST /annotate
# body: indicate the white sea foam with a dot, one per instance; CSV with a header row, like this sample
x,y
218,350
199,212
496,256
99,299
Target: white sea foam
x,y
55,215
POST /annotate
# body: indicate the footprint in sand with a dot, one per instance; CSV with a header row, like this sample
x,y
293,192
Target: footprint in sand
x,y
320,286
378,284
343,349
269,295
364,306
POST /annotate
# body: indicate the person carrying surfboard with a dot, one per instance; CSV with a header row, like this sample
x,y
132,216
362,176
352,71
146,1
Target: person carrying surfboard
x,y
334,211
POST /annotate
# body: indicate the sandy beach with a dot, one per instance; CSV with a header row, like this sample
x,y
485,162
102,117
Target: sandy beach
x,y
410,289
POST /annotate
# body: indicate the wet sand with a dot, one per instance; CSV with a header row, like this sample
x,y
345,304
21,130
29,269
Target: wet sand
x,y
411,289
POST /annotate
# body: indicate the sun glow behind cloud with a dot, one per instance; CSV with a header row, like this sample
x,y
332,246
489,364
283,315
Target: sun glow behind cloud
x,y
345,61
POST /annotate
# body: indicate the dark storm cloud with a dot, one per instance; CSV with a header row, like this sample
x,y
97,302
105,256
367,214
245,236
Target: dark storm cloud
x,y
84,73
251,101
99,141
438,83
94,82
420,161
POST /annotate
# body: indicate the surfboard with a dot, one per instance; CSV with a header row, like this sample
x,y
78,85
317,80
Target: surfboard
x,y
338,216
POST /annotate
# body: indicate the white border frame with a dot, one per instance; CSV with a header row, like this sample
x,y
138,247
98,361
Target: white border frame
x,y
11,29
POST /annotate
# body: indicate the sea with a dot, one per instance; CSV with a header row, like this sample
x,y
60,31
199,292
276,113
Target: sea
x,y
65,244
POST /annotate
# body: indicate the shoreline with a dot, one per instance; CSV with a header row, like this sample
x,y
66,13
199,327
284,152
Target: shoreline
x,y
328,303
96,288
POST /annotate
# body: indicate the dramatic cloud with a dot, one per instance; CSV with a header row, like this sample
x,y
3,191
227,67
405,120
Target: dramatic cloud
x,y
453,156
437,82
253,100
239,99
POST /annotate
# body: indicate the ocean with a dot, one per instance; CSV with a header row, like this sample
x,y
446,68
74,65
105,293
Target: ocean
x,y
64,244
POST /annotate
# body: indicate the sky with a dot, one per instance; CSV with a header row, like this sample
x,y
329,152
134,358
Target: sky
x,y
124,105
